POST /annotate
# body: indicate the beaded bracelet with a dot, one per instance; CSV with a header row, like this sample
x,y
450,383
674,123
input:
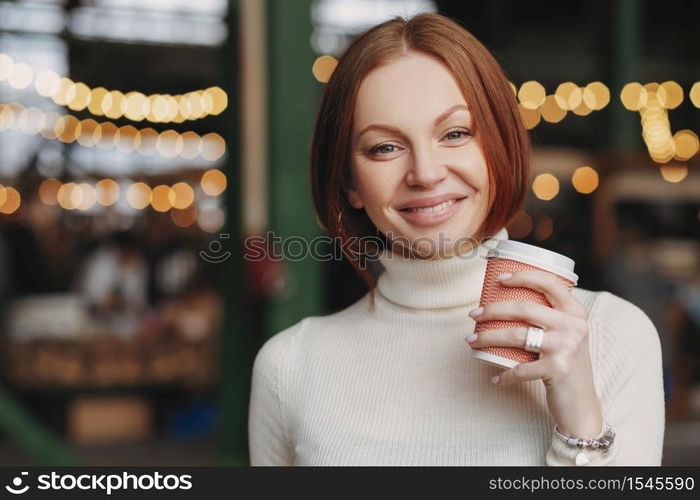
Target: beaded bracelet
x,y
602,442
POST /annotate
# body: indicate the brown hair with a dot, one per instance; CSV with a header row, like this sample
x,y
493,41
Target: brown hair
x,y
486,89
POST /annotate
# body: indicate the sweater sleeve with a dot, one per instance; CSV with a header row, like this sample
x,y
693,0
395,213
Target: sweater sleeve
x,y
268,441
629,382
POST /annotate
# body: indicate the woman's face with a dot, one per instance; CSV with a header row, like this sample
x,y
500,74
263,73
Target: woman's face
x,y
416,168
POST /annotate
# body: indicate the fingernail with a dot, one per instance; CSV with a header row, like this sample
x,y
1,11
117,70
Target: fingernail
x,y
475,312
504,276
496,379
471,338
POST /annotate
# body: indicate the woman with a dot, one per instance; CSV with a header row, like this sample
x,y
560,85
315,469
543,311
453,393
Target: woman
x,y
419,145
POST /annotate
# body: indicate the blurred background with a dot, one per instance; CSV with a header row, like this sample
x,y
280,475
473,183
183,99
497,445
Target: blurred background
x,y
141,142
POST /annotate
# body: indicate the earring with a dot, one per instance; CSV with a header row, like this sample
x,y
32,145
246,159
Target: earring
x,y
340,216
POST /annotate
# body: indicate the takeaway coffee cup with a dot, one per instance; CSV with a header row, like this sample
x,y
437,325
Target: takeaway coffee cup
x,y
511,256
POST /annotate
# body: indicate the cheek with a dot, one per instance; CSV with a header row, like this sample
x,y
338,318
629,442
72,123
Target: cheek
x,y
376,186
472,168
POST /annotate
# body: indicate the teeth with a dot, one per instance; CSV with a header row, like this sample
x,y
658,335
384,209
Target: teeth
x,y
434,209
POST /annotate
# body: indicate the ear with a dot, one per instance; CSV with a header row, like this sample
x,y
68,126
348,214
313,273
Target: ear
x,y
354,198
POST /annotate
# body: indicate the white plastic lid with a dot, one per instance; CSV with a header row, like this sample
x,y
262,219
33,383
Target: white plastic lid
x,y
535,256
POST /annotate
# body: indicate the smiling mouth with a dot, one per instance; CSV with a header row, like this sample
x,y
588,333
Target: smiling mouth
x,y
433,209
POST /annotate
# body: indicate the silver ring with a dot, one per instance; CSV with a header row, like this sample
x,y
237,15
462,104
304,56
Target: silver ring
x,y
534,338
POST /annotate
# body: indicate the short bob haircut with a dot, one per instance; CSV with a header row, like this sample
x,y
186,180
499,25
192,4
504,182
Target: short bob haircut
x,y
486,89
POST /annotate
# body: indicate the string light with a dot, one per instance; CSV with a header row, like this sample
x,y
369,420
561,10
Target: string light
x,y
114,104
535,105
177,199
106,192
106,135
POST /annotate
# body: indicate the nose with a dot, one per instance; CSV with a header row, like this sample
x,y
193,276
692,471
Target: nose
x,y
425,170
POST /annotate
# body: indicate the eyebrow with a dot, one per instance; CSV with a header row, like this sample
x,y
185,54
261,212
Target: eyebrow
x,y
438,120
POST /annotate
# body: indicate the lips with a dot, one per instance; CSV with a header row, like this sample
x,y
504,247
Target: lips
x,y
433,209
432,213
432,202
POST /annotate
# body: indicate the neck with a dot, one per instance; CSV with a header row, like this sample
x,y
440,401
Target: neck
x,y
454,281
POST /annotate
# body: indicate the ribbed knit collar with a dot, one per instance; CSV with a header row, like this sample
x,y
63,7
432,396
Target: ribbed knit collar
x,y
435,284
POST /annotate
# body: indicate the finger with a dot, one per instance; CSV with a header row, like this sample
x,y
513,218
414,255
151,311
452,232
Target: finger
x,y
522,310
511,337
523,372
556,292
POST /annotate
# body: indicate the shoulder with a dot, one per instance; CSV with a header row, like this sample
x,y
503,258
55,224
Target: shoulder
x,y
603,303
621,331
277,349
284,346
610,310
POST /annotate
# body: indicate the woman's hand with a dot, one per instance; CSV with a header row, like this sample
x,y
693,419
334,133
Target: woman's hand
x,y
564,364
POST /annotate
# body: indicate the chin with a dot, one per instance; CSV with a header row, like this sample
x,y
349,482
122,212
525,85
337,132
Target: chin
x,y
433,243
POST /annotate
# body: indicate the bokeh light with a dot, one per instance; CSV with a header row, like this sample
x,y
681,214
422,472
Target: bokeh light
x,y
48,191
531,95
87,195
211,219
69,196
12,201
530,117
213,182
323,68
162,198
184,217
544,227
545,186
107,192
138,195
673,173
184,195
585,180
520,226
213,146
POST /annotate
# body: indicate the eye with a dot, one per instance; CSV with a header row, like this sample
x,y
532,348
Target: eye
x,y
382,149
457,134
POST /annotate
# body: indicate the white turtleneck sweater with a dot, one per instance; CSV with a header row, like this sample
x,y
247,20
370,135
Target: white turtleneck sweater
x,y
398,386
